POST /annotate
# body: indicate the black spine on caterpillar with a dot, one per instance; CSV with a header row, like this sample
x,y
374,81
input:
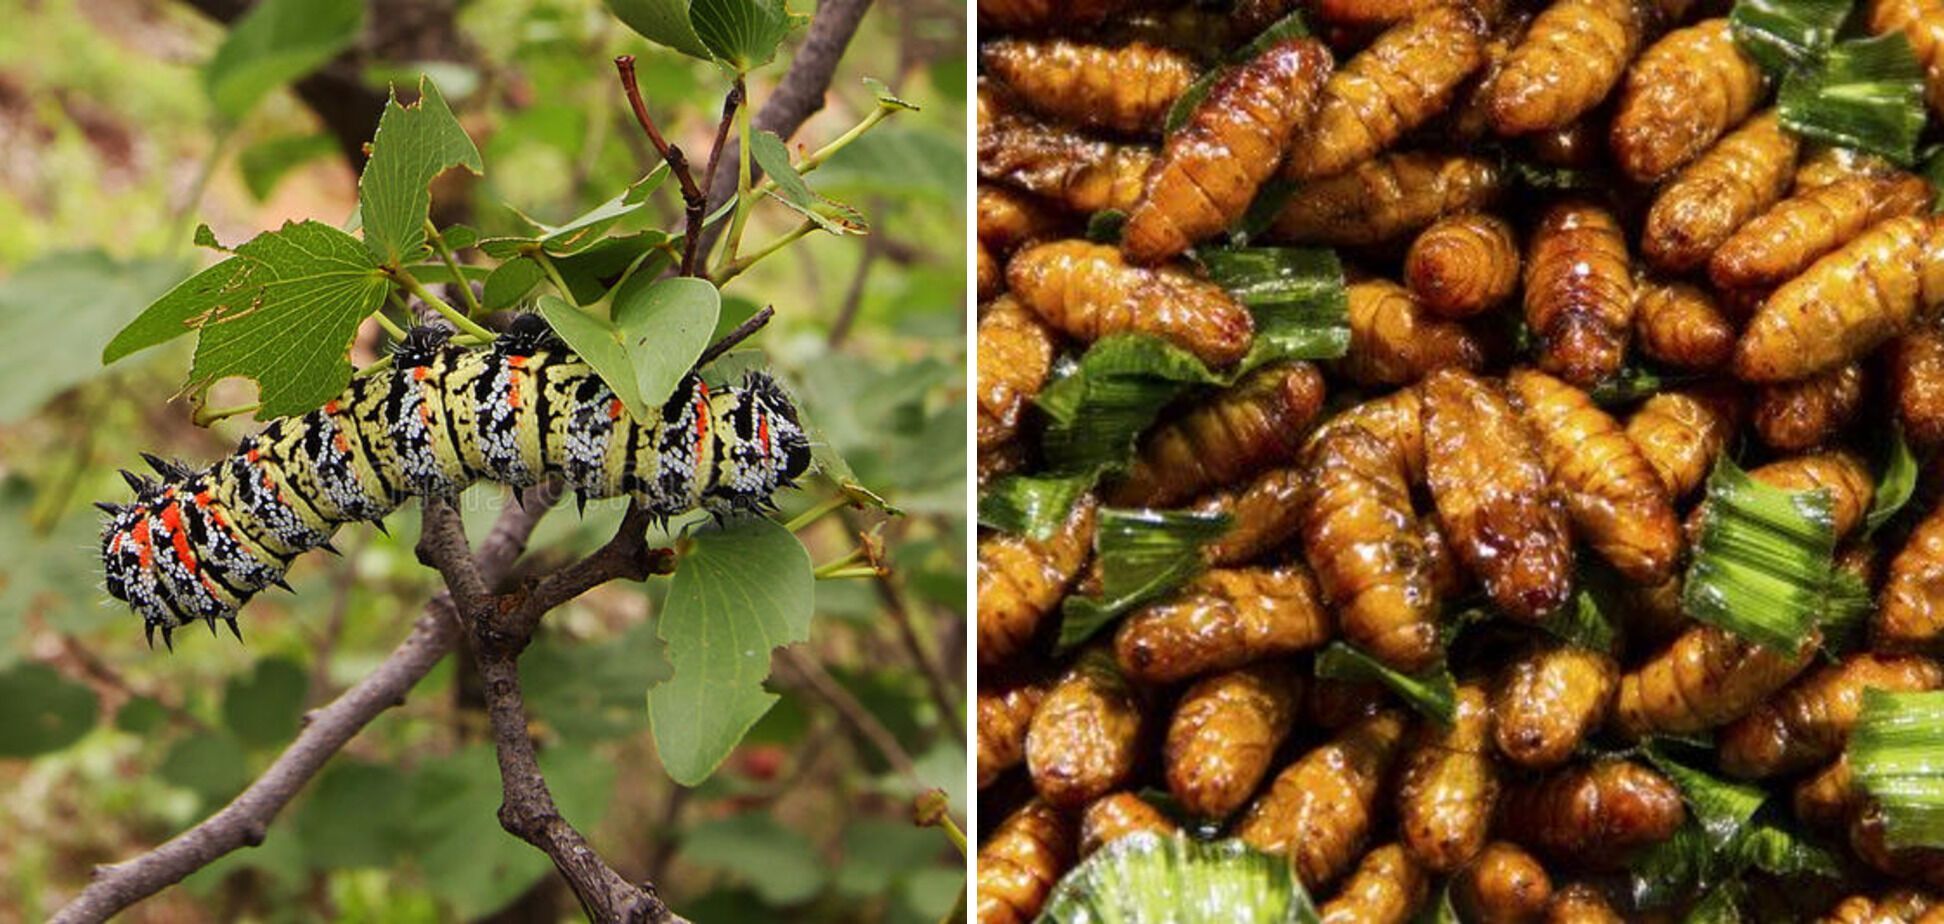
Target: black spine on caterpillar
x,y
196,545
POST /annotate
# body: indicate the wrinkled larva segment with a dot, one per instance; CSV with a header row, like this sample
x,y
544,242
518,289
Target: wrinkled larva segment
x,y
1087,292
1020,862
1122,814
1807,724
1463,265
1320,809
1682,432
1258,422
1387,198
1082,741
1780,243
1808,413
1503,885
1706,678
1594,815
1686,90
1449,786
1579,292
1388,887
1021,579
1567,63
1125,89
1737,179
1224,735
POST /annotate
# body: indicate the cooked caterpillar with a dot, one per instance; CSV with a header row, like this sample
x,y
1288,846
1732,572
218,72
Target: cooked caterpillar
x,y
1010,219
1030,15
1396,420
1449,786
1898,906
1579,298
1687,89
1736,180
1087,292
1682,325
1841,473
1447,578
1021,861
1224,734
1122,814
1022,578
1204,33
1808,723
992,276
1258,422
1780,243
1386,198
1581,144
1410,73
1910,612
1393,341
1593,815
1706,678
1566,64
1212,166
1826,164
1489,483
1388,887
1223,619
1868,840
1807,413
1680,433
1004,712
1922,22
1082,740
1366,14
1319,810
1916,375
1127,89
1504,885
1549,699
1262,517
1614,497
1826,800
1015,355
1059,164
1463,265
1654,615
1579,903
1361,537
1877,286
198,544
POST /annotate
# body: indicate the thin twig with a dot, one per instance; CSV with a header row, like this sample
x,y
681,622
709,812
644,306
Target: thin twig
x,y
853,713
693,239
742,332
854,295
694,202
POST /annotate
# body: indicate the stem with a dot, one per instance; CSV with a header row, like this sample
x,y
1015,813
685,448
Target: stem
x,y
952,832
831,567
694,200
459,279
698,208
391,327
829,505
743,198
553,276
737,266
438,304
743,331
204,418
845,574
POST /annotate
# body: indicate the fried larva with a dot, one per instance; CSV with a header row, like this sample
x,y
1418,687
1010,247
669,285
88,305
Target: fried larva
x,y
1680,433
1223,619
1579,903
1081,173
1386,198
1825,164
1083,739
1447,577
1826,800
1212,166
1922,22
1449,786
1122,814
1396,420
1579,298
992,276
1021,861
1319,809
1877,286
1594,815
1687,89
1569,60
1706,678
1004,712
1807,413
1898,906
1015,354
1549,699
1393,341
1410,73
1224,734
1868,841
1489,483
1737,179
1910,612
1010,219
1808,723
1022,578
1025,15
1259,422
1086,292
1682,325
1504,885
1785,240
1841,473
1361,537
1125,89
1388,887
1615,498
1263,516
1463,264
1916,384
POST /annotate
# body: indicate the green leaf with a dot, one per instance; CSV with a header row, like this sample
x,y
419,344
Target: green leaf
x,y
1031,505
739,592
1586,622
265,162
886,98
1147,877
91,294
276,42
1782,34
1867,94
1143,554
1106,226
878,853
1895,486
664,324
834,217
591,273
1431,691
1846,617
141,715
355,815
510,282
664,22
1763,567
414,144
589,691
212,766
583,230
41,711
1720,905
1897,757
1632,384
599,345
262,707
743,33
780,864
1296,295
1721,808
1288,27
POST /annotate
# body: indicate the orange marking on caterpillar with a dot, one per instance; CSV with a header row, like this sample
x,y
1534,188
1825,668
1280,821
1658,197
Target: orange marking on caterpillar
x,y
614,409
172,518
420,372
140,536
762,433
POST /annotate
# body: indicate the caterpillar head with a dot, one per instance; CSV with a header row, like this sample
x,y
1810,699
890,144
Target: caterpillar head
x,y
765,448
144,561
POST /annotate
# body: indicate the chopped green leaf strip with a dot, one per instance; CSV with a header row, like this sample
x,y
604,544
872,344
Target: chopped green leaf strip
x,y
1105,226
1897,757
1585,621
1671,870
1148,877
1722,808
1297,295
1184,105
1782,34
1846,616
1432,691
1895,486
1633,384
1763,566
1721,905
1031,505
1143,555
1774,849
1866,93
1117,389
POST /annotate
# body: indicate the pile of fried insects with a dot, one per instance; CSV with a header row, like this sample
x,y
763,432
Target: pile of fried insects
x,y
1467,450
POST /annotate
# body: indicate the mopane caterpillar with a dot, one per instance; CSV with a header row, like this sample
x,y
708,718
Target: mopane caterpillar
x,y
198,544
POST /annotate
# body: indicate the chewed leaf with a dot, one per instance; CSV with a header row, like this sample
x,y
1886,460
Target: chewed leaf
x,y
414,144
